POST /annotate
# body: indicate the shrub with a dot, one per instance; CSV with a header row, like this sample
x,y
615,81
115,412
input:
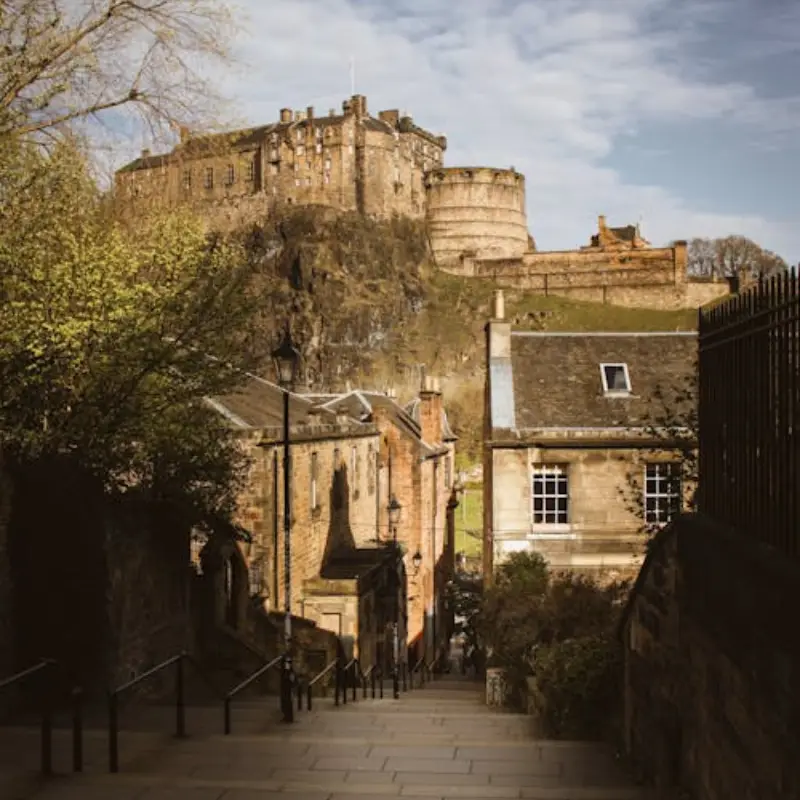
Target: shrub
x,y
578,685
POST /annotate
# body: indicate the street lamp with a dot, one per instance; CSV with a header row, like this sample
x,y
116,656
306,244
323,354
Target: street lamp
x,y
286,358
417,562
395,512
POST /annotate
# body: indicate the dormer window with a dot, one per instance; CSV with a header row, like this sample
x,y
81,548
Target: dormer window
x,y
616,379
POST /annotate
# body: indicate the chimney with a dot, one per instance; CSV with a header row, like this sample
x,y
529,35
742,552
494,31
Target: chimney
x,y
347,107
431,410
391,117
184,134
145,153
601,222
310,112
498,331
286,115
298,116
359,105
331,112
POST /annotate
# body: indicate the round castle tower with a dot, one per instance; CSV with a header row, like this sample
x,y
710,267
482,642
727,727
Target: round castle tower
x,y
476,212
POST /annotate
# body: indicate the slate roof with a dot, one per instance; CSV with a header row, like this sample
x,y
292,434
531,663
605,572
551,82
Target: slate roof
x,y
627,233
447,432
555,380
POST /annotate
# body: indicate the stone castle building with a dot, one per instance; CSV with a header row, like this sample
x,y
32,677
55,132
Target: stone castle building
x,y
386,165
350,160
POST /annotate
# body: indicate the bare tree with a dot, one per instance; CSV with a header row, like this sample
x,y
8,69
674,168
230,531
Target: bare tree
x,y
732,256
64,61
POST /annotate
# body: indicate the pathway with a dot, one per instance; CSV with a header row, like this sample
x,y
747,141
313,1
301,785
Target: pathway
x,y
438,742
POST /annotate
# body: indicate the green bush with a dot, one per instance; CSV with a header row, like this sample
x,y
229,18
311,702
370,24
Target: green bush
x,y
578,682
561,630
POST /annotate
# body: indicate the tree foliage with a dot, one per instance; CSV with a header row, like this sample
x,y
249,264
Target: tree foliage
x,y
536,623
62,61
672,422
111,335
731,256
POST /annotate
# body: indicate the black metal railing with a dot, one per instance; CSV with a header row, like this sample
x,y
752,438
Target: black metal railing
x,y
230,696
749,412
178,661
350,679
44,670
332,666
372,678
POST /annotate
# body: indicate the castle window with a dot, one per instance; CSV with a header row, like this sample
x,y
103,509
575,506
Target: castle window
x,y
300,135
318,133
273,154
313,487
230,175
297,181
300,150
318,148
251,171
327,163
187,179
209,182
327,178
350,149
616,380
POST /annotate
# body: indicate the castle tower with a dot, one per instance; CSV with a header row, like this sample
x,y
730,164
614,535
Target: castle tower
x,y
476,212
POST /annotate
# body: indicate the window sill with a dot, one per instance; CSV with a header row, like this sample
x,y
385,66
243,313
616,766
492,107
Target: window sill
x,y
552,532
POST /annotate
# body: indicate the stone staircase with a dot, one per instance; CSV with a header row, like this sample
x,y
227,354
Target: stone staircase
x,y
440,741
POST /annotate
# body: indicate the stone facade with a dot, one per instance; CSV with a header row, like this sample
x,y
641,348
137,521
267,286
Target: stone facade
x,y
350,454
351,161
711,701
618,267
563,452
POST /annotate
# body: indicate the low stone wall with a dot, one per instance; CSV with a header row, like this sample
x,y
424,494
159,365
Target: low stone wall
x,y
711,658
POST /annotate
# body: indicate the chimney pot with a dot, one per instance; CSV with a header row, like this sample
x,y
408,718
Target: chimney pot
x,y
310,112
499,305
601,222
145,153
286,115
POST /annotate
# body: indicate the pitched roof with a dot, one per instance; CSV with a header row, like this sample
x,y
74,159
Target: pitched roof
x,y
412,409
553,380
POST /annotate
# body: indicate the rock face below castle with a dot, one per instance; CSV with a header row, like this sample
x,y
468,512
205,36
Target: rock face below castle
x,y
350,161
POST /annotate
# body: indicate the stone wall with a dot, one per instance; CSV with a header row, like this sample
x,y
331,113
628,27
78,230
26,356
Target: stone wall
x,y
341,516
648,277
604,537
711,659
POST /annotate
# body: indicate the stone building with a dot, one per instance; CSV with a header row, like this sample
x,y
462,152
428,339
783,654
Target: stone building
x,y
416,465
618,267
568,435
348,160
350,454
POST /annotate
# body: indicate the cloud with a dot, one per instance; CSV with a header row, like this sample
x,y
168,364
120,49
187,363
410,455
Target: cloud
x,y
551,87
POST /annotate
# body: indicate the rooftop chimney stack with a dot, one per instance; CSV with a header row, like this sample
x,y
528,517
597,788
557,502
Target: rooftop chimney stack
x,y
145,153
498,305
310,112
431,410
286,115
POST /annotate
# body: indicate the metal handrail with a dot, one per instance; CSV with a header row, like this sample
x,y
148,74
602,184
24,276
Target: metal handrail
x,y
310,685
418,668
370,676
243,685
356,668
113,705
429,667
46,737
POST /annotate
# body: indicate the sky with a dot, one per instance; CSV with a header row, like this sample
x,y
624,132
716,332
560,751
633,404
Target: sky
x,y
680,115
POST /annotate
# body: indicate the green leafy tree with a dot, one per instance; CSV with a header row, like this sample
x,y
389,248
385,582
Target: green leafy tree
x,y
112,335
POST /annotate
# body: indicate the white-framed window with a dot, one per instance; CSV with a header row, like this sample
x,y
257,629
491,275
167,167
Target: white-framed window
x,y
300,135
616,379
663,491
549,495
300,149
318,147
230,175
313,496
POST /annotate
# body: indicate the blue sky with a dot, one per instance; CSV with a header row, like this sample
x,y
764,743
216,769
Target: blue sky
x,y
681,114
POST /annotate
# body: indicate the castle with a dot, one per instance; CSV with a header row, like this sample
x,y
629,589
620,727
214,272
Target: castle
x,y
387,165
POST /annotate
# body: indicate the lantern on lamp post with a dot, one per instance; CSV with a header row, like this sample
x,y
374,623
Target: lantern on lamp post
x,y
287,358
